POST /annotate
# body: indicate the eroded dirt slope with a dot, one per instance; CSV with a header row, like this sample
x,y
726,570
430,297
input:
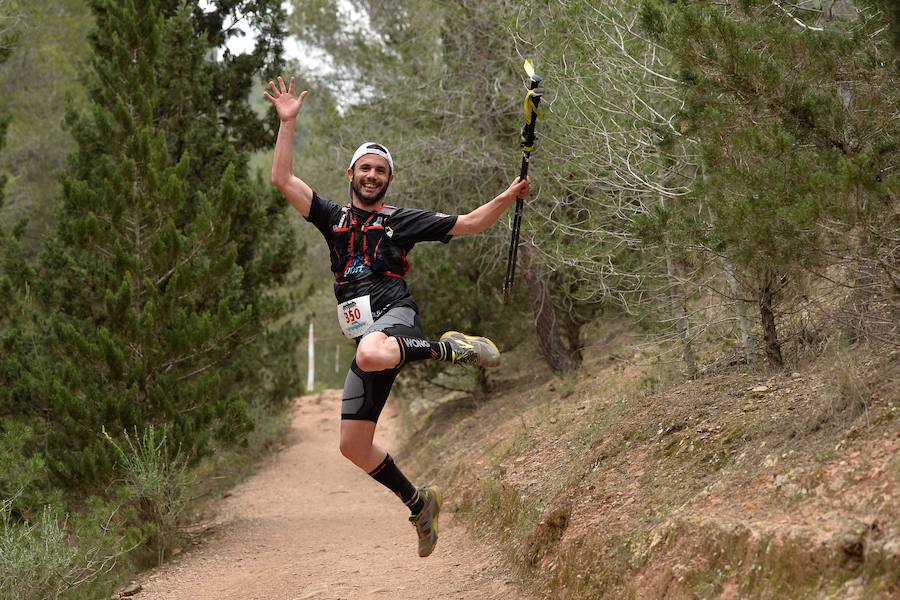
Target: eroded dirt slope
x,y
615,483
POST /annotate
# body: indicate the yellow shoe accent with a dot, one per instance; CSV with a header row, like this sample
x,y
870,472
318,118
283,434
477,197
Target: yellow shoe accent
x,y
426,521
472,349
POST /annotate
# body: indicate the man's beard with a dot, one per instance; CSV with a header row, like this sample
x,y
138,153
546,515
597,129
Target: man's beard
x,y
367,200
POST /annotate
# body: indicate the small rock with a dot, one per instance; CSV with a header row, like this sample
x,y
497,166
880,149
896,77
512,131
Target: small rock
x,y
131,591
851,543
892,549
837,483
792,490
853,589
760,388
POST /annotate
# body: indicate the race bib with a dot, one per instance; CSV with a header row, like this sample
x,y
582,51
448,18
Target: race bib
x,y
355,316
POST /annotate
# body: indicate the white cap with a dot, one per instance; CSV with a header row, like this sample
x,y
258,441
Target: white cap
x,y
372,148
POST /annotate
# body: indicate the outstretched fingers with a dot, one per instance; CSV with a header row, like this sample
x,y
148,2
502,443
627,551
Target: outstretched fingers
x,y
275,93
281,96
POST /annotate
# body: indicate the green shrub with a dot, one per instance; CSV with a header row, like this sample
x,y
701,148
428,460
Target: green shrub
x,y
22,474
156,483
55,555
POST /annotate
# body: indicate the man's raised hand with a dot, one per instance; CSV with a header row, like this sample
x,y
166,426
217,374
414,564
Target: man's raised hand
x,y
282,98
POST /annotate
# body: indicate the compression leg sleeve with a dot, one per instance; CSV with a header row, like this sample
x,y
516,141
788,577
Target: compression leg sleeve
x,y
412,349
388,475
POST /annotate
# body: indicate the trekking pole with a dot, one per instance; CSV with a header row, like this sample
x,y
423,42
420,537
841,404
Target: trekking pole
x,y
526,141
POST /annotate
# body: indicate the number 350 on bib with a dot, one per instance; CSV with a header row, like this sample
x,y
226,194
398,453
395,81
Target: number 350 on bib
x,y
355,316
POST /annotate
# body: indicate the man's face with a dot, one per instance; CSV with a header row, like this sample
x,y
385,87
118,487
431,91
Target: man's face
x,y
369,179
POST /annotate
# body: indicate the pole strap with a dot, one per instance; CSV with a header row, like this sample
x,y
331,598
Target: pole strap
x,y
529,106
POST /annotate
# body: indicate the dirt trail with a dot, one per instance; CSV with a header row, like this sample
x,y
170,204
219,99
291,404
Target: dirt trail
x,y
311,526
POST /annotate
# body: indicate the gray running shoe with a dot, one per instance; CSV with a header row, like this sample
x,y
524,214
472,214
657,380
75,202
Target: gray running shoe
x,y
472,349
426,521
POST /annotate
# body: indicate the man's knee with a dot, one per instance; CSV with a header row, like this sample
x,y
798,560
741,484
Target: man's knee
x,y
369,355
366,358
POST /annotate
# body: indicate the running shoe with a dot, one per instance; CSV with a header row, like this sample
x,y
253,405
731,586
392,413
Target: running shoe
x,y
472,349
426,521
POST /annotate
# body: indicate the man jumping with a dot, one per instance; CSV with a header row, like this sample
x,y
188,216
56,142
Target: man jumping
x,y
368,242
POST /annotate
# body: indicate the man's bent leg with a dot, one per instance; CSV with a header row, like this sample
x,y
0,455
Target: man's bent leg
x,y
396,339
378,351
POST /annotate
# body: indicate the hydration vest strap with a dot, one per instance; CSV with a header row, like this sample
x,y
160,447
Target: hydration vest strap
x,y
350,223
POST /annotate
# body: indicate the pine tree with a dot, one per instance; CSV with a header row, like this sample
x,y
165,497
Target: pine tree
x,y
12,267
21,472
159,267
782,152
4,124
232,76
8,35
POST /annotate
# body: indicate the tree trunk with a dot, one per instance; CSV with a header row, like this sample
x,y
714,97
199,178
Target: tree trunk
x,y
676,296
864,287
767,317
550,343
681,323
572,334
740,309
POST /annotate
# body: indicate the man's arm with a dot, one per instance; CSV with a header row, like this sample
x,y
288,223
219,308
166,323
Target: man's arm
x,y
487,214
298,193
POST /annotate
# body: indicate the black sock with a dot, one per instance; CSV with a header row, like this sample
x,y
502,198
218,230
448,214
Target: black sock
x,y
412,349
388,475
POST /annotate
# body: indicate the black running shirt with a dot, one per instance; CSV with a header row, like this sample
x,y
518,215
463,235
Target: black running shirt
x,y
403,227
